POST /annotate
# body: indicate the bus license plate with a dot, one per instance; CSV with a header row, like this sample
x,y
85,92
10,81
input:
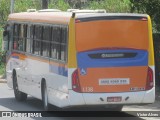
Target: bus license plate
x,y
114,99
114,81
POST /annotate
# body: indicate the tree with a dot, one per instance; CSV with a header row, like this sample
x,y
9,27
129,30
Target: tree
x,y
4,11
44,4
75,3
12,6
20,6
151,7
59,4
118,6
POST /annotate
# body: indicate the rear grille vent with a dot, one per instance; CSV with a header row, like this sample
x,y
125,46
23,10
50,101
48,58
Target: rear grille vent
x,y
111,55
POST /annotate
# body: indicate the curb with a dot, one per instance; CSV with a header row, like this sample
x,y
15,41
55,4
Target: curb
x,y
3,81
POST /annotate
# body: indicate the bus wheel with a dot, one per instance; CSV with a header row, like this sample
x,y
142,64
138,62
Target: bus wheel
x,y
45,97
20,96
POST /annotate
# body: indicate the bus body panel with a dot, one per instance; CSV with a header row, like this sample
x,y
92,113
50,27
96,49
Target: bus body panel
x,y
30,74
112,34
114,56
9,75
114,79
134,97
62,99
151,61
95,98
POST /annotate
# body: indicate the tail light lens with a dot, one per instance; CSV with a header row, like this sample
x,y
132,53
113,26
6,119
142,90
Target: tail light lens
x,y
150,82
75,82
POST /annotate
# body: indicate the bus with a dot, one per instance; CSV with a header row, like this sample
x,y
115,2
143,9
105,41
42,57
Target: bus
x,y
80,58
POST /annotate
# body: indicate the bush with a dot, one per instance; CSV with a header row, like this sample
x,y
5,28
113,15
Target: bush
x,y
151,7
111,5
2,57
59,4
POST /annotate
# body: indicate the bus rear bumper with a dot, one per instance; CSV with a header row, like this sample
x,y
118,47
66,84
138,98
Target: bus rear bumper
x,y
140,97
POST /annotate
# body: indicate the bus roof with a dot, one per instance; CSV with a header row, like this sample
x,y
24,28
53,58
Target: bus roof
x,y
44,17
64,17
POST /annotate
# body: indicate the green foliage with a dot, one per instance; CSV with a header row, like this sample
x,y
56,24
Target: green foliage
x,y
111,5
23,5
1,31
4,11
151,7
2,55
2,69
59,4
20,6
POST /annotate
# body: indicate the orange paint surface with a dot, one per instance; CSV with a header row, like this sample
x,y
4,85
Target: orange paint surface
x,y
21,56
112,33
137,76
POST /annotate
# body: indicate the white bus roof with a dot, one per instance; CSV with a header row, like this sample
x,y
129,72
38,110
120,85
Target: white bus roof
x,y
63,17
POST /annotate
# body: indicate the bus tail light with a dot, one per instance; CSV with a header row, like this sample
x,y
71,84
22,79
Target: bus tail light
x,y
144,19
150,82
75,81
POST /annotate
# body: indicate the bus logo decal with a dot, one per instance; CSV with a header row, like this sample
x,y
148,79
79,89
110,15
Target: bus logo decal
x,y
112,55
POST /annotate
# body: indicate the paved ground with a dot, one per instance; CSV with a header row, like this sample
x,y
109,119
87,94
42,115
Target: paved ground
x,y
8,103
152,107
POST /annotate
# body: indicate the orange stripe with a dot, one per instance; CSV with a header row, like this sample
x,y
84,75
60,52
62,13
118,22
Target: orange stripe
x,y
23,57
35,58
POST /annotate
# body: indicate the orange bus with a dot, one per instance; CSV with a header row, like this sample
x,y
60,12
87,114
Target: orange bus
x,y
81,58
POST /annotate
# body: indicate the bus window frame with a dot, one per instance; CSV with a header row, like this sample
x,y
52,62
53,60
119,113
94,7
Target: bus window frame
x,y
40,56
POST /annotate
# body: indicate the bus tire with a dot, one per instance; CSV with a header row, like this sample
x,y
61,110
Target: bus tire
x,y
19,96
45,97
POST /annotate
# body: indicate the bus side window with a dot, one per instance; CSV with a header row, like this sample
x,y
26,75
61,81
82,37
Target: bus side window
x,y
16,36
22,37
63,43
30,36
19,37
46,41
25,37
29,39
37,40
55,42
59,42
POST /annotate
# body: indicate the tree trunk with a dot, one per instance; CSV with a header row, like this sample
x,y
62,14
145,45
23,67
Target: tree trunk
x,y
44,4
12,6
